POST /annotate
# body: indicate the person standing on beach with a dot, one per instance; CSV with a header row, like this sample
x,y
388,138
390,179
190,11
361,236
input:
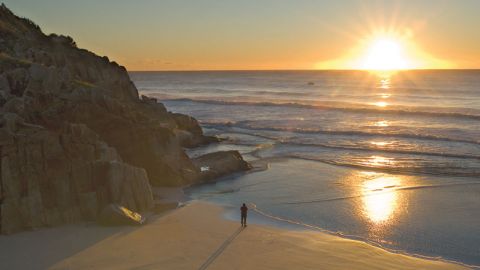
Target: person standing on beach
x,y
244,210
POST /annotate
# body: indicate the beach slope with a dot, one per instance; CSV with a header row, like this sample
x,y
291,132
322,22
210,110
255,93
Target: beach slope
x,y
196,237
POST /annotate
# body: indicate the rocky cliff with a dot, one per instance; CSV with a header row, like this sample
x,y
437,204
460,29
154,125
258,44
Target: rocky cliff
x,y
75,136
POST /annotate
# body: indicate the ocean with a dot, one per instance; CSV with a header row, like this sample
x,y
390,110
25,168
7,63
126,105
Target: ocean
x,y
390,159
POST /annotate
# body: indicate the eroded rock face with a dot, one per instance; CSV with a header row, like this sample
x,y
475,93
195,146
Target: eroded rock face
x,y
47,81
49,178
69,124
75,136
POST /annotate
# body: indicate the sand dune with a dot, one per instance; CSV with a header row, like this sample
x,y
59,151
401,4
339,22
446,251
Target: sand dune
x,y
196,237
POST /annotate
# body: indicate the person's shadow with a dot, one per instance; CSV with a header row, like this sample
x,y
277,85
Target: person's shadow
x,y
221,249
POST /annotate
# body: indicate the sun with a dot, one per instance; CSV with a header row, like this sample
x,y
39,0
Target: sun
x,y
385,54
384,51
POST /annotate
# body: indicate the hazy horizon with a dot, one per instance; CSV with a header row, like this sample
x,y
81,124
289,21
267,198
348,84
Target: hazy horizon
x,y
363,70
270,35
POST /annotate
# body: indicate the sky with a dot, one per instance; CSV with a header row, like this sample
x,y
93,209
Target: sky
x,y
265,34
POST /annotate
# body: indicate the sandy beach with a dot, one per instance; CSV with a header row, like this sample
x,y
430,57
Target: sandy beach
x,y
195,237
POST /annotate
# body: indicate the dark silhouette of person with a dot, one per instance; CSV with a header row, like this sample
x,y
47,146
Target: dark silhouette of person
x,y
244,210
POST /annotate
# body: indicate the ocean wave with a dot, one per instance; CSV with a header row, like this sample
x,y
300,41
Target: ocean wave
x,y
443,170
245,125
173,94
432,162
185,91
342,106
393,151
366,149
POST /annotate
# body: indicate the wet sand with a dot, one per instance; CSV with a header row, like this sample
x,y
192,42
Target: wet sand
x,y
196,237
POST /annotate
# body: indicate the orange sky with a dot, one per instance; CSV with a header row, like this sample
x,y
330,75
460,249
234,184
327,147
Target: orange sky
x,y
269,34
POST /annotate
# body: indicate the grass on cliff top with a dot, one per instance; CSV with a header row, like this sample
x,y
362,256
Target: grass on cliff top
x,y
9,60
12,24
84,83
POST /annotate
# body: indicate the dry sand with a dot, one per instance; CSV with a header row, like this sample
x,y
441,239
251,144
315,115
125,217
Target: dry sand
x,y
196,237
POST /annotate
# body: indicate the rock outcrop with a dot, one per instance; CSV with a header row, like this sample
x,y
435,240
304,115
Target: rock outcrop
x,y
75,136
215,165
49,178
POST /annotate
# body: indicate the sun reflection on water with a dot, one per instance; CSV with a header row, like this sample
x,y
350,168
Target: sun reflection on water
x,y
380,199
379,161
384,83
381,104
382,123
380,143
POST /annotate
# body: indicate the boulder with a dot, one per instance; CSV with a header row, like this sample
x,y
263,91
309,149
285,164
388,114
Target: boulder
x,y
149,100
218,164
187,123
116,215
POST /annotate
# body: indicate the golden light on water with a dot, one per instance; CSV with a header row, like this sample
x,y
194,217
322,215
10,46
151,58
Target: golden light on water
x,y
379,161
380,200
382,123
380,143
385,83
381,104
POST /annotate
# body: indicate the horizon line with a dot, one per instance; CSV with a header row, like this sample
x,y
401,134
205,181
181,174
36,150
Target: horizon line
x,y
365,70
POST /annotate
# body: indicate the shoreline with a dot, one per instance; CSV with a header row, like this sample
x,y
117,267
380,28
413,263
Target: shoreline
x,y
277,219
188,237
292,225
